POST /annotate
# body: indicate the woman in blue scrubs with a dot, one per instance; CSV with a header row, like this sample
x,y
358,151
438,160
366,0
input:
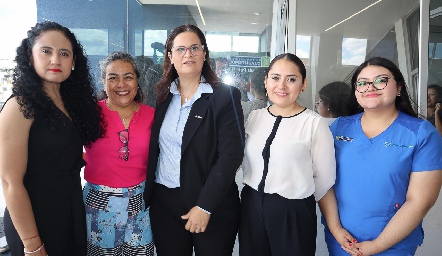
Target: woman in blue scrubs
x,y
388,168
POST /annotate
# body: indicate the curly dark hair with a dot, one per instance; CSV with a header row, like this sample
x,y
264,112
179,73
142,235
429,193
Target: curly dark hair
x,y
402,102
169,71
77,91
126,57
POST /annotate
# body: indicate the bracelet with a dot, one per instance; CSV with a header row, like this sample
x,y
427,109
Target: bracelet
x,y
34,251
29,238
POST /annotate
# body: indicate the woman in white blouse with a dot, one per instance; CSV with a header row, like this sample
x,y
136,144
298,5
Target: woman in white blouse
x,y
289,164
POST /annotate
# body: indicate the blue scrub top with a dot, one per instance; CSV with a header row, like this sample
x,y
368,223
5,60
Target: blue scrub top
x,y
373,174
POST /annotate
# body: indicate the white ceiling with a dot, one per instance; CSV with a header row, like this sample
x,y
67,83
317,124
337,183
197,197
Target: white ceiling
x,y
313,16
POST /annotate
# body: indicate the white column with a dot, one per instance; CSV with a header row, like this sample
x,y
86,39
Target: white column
x,y
423,54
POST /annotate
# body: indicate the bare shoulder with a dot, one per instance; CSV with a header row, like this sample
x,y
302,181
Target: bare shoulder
x,y
12,120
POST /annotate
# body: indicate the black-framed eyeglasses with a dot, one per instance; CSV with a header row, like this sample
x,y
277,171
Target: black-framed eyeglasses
x,y
195,50
379,84
124,150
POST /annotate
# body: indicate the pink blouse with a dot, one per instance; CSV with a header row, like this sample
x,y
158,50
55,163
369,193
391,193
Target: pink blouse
x,y
103,163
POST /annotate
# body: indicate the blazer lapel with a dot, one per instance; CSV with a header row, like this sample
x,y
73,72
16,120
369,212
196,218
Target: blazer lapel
x,y
160,113
196,116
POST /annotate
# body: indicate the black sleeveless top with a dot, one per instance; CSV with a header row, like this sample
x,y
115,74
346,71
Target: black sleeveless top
x,y
52,181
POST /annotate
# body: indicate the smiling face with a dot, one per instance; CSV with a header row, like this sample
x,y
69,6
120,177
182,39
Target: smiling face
x,y
52,57
373,99
120,83
284,83
191,63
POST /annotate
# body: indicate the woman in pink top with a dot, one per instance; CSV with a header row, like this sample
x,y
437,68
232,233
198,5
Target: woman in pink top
x,y
116,166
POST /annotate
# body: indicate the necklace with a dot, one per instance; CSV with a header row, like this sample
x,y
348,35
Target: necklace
x,y
186,98
123,119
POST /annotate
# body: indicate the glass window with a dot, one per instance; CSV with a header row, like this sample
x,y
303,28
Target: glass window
x,y
154,41
245,44
353,51
94,41
303,47
219,43
438,51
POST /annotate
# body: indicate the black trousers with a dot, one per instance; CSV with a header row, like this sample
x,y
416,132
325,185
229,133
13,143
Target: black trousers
x,y
172,239
274,225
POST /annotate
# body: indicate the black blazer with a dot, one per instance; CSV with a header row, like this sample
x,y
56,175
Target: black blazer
x,y
211,151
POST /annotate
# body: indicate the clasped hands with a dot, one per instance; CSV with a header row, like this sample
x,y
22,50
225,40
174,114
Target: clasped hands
x,y
352,246
197,220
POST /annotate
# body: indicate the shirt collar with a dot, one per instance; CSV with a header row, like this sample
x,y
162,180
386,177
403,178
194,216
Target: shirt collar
x,y
202,88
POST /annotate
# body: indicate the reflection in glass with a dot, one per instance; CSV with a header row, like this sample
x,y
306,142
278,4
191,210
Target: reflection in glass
x,y
154,44
353,51
94,41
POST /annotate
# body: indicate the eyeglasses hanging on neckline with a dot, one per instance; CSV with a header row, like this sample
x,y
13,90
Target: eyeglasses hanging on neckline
x,y
124,150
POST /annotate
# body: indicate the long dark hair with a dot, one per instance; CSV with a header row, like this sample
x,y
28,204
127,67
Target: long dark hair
x,y
402,102
77,91
126,57
169,71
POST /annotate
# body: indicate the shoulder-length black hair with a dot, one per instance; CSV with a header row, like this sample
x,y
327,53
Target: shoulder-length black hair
x,y
402,102
169,71
77,91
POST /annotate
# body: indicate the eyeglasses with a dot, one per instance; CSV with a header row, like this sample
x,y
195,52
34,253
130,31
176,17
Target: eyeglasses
x,y
379,84
124,150
195,50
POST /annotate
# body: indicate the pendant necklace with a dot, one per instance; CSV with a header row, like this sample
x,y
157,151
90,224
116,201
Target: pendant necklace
x,y
123,119
186,98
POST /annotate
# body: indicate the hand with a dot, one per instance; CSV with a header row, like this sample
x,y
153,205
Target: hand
x,y
197,220
346,241
437,108
367,248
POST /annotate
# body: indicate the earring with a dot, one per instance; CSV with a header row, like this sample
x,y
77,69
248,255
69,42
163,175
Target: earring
x,y
73,68
398,94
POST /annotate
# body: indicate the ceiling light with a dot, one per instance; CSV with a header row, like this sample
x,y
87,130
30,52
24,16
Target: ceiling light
x,y
352,15
199,10
254,23
257,13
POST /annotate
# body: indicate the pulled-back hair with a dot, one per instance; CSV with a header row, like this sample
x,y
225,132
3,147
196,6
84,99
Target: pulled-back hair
x,y
335,95
292,58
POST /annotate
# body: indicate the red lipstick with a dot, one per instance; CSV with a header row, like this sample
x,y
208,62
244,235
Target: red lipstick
x,y
55,70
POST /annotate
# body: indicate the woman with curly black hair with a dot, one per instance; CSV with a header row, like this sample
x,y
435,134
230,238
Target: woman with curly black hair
x,y
52,113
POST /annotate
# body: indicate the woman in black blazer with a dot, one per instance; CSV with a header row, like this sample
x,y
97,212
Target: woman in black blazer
x,y
196,147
